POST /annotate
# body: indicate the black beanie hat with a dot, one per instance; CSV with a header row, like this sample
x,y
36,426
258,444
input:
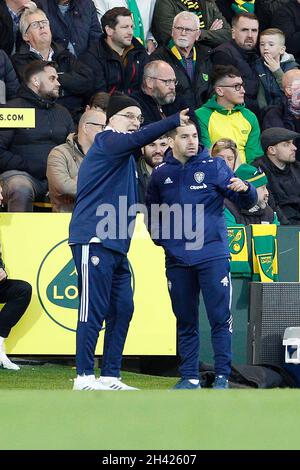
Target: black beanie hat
x,y
117,102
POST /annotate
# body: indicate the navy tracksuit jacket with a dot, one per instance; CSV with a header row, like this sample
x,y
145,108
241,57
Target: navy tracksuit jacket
x,y
107,173
201,181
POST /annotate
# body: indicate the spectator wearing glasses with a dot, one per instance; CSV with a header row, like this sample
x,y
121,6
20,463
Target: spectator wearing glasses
x,y
64,160
75,78
117,59
214,28
157,97
241,53
189,59
225,114
100,240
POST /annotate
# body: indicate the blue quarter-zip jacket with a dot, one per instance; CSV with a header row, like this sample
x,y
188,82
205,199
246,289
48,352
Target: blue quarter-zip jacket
x,y
202,180
107,173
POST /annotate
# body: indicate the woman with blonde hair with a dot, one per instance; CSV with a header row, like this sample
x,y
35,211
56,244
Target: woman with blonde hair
x,y
227,149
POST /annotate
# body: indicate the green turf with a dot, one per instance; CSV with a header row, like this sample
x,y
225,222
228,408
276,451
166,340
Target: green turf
x,y
54,377
198,419
145,419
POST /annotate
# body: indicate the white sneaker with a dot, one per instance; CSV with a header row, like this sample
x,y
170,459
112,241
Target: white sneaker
x,y
114,383
88,382
6,363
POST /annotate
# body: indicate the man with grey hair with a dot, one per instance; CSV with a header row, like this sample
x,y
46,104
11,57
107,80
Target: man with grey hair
x,y
65,159
189,59
75,78
157,96
214,27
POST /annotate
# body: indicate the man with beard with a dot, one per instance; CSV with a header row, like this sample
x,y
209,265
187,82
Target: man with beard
x,y
157,97
100,235
283,173
24,151
189,59
117,59
152,156
241,53
192,186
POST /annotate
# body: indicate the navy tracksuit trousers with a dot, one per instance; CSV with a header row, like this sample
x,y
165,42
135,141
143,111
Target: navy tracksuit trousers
x,y
185,283
105,293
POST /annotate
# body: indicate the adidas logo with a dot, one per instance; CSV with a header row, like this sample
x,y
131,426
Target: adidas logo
x,y
225,281
168,181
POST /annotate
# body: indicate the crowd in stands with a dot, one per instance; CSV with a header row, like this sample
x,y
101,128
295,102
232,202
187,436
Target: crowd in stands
x,y
234,63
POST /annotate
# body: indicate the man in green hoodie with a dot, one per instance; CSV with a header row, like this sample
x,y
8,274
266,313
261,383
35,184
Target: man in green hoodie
x,y
225,115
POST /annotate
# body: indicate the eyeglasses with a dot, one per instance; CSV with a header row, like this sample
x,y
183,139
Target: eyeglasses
x,y
132,116
181,29
237,86
96,124
37,24
167,82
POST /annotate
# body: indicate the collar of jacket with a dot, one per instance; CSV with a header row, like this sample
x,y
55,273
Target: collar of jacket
x,y
213,104
202,154
278,171
38,102
249,56
55,46
105,49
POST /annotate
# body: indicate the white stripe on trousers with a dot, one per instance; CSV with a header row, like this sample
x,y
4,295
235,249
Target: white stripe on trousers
x,y
84,304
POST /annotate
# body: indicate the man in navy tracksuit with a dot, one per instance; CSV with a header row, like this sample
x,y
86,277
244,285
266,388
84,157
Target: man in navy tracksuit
x,y
106,189
198,258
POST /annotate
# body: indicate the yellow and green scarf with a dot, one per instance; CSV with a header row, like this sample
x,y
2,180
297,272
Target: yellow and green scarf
x,y
264,253
194,7
237,240
240,6
175,51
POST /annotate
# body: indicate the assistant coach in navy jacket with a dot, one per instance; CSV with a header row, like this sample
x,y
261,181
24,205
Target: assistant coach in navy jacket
x,y
197,256
100,239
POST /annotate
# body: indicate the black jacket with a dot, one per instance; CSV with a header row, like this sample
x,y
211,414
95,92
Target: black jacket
x,y
287,18
110,75
246,217
8,76
284,188
76,79
27,149
152,111
230,53
79,25
6,30
280,116
195,92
